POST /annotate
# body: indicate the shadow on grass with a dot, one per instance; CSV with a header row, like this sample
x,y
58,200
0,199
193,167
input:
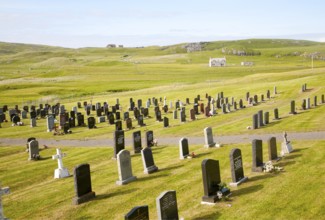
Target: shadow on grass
x,y
300,149
260,177
247,190
202,154
285,163
117,193
171,168
151,176
45,158
272,123
293,156
208,216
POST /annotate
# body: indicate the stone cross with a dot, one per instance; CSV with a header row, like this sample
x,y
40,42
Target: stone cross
x,y
3,191
61,172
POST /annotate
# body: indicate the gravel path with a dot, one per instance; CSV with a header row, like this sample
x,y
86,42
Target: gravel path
x,y
173,141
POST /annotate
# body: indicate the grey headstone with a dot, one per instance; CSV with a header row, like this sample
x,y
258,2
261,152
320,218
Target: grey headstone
x,y
124,168
273,154
33,150
208,137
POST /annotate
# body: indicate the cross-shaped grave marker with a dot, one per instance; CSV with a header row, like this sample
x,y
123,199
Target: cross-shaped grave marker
x,y
61,172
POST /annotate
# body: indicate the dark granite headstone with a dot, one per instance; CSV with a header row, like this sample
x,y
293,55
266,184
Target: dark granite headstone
x,y
140,121
137,143
138,213
276,114
118,126
211,180
266,118
80,119
260,118
292,107
111,118
257,153
126,115
148,161
315,101
149,138
119,142
273,154
166,122
166,204
91,122
82,184
128,123
236,165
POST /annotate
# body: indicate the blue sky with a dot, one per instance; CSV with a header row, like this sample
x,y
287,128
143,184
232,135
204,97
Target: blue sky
x,y
95,23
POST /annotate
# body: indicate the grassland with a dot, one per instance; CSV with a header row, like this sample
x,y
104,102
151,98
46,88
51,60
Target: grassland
x,y
32,74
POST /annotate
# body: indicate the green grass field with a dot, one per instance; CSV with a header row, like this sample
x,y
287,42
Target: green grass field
x,y
33,74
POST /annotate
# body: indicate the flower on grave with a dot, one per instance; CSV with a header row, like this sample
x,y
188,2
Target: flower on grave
x,y
223,191
268,167
192,154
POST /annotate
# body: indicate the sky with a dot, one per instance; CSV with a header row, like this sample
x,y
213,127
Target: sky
x,y
135,23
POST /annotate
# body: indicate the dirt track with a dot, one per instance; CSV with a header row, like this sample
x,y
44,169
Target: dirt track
x,y
172,141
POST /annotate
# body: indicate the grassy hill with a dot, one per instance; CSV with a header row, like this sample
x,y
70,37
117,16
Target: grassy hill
x,y
33,74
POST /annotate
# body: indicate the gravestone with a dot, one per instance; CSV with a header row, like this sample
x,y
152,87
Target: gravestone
x,y
29,140
15,119
140,121
286,146
323,99
126,115
268,94
137,143
61,172
247,96
80,119
158,115
236,166
292,107
257,152
23,114
124,168
211,180
128,123
315,101
182,115
3,191
149,138
33,122
138,213
183,149
166,122
119,142
303,104
266,118
260,118
224,108
118,126
271,142
308,103
111,119
33,150
166,204
275,91
82,184
146,112
208,138
276,114
147,160
241,105
101,119
175,114
91,123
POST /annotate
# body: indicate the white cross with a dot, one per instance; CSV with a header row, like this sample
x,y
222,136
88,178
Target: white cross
x,y
3,191
59,157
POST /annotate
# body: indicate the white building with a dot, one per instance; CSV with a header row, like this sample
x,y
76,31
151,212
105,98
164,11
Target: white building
x,y
213,62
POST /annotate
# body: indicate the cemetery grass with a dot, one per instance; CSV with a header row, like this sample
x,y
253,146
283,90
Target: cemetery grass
x,y
295,193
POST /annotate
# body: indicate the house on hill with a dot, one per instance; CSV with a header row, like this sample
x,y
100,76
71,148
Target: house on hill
x,y
216,62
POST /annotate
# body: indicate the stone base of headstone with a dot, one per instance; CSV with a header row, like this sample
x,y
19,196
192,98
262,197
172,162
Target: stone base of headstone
x,y
126,181
257,169
286,148
61,173
239,182
185,157
83,199
151,169
101,119
212,145
209,200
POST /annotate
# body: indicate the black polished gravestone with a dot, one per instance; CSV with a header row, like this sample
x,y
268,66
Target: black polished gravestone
x,y
149,138
82,184
166,204
138,213
80,119
126,115
137,143
257,153
273,154
128,123
166,122
276,114
236,166
110,118
260,118
91,123
293,107
119,142
140,121
211,180
147,161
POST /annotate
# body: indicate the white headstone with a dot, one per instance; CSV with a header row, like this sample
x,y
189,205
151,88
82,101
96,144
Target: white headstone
x,y
208,138
124,168
286,146
61,172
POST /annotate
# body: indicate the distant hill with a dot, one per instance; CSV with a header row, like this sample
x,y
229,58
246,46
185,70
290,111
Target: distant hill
x,y
11,48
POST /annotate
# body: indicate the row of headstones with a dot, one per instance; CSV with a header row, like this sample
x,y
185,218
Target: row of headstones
x,y
306,103
260,119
